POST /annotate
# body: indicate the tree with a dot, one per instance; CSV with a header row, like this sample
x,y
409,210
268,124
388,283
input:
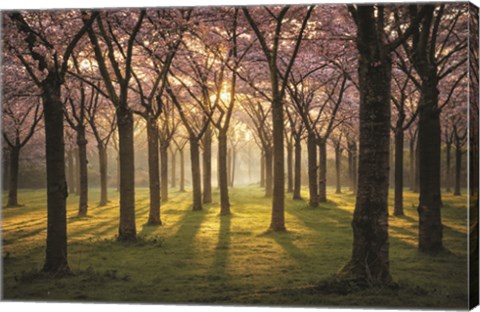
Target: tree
x,y
45,56
369,262
20,120
117,88
278,80
431,54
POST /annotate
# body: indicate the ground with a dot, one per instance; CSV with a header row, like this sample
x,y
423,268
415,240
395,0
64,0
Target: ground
x,y
200,257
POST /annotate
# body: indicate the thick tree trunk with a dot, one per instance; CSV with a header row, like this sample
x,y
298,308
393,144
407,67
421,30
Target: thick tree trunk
x,y
458,169
127,228
103,163
429,141
278,202
352,164
268,172
262,169
298,169
83,174
182,171
338,165
153,173
289,167
448,150
370,254
207,166
398,201
164,171
222,173
13,183
196,176
312,169
56,249
322,173
173,172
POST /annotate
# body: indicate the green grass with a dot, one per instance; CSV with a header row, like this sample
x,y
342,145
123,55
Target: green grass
x,y
200,257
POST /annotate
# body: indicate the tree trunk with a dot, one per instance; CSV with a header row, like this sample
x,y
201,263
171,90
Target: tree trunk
x,y
222,173
289,166
13,183
182,171
448,150
429,141
391,175
207,166
458,169
398,201
153,172
268,172
77,171
71,171
173,173
196,176
412,165
127,229
164,171
234,159
370,253
6,169
56,248
262,169
322,174
278,202
103,163
82,157
298,169
338,165
312,169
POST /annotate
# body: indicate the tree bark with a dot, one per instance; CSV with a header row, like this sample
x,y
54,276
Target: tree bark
x,y
164,171
398,201
458,169
370,253
289,166
56,248
83,174
338,165
278,203
196,176
312,169
13,183
322,173
222,173
298,169
207,166
127,228
268,172
429,141
103,163
153,173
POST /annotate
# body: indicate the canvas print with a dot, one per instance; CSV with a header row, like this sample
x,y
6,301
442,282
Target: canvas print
x,y
321,155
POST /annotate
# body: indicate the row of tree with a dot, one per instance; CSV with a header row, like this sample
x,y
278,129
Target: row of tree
x,y
348,76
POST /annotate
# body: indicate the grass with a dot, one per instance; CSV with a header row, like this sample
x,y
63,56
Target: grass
x,y
200,257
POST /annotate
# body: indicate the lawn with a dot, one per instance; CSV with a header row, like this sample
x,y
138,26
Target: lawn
x,y
200,257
